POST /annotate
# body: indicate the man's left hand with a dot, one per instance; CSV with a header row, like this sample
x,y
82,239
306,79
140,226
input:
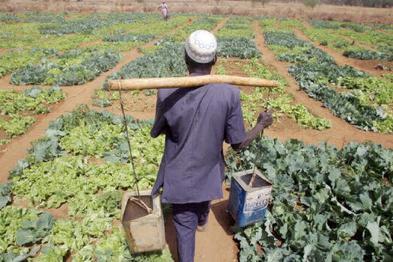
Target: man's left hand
x,y
265,119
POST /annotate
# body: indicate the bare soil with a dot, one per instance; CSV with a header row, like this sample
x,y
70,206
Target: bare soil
x,y
234,66
58,213
88,44
220,25
137,104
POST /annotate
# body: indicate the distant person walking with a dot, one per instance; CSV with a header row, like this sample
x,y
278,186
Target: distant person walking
x,y
164,10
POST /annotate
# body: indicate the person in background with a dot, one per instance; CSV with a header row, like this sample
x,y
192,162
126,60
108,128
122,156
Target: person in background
x,y
164,10
196,122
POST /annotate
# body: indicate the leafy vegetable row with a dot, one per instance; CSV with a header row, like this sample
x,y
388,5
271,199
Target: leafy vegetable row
x,y
328,204
17,108
31,17
236,39
82,163
319,75
87,24
353,40
23,44
128,38
368,55
236,27
239,47
73,67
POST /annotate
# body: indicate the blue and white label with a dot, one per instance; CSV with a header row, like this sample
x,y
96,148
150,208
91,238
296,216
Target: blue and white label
x,y
257,199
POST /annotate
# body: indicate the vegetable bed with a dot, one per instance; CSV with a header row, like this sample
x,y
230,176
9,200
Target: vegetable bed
x,y
82,166
18,109
319,76
236,39
353,40
328,204
73,67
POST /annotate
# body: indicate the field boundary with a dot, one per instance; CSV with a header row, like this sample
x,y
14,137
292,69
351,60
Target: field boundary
x,y
307,25
367,66
339,134
226,7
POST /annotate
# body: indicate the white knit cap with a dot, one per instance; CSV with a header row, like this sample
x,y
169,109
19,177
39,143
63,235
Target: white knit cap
x,y
201,46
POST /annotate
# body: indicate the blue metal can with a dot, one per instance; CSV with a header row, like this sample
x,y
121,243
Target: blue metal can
x,y
249,197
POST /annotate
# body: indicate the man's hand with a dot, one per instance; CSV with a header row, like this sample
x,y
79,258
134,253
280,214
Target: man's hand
x,y
265,119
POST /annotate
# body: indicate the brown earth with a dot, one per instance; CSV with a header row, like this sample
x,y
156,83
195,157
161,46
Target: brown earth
x,y
58,213
137,104
234,66
88,44
216,243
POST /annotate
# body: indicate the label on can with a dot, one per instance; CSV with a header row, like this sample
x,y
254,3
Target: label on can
x,y
258,199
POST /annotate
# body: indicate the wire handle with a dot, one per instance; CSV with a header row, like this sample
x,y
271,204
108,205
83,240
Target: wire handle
x,y
255,165
126,133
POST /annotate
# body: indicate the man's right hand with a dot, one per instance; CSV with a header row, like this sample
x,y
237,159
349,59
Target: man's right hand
x,y
265,119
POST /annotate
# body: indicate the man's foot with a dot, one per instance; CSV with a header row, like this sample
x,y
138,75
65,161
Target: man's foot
x,y
202,228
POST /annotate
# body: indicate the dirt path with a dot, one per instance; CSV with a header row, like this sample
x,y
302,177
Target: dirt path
x,y
216,243
220,25
92,43
339,134
367,66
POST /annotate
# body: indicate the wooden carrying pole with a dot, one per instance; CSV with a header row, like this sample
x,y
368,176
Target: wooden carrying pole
x,y
187,82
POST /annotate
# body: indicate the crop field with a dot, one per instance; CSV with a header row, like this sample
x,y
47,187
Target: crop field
x,y
65,160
